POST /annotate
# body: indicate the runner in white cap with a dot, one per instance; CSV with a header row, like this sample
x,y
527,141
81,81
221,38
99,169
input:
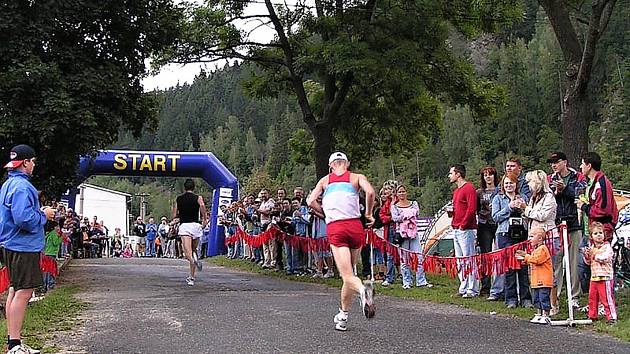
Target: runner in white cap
x,y
340,205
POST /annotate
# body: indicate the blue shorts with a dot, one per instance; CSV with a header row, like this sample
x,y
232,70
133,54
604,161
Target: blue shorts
x,y
541,298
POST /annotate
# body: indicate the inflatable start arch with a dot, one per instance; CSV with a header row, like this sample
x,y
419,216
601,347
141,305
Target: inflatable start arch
x,y
169,164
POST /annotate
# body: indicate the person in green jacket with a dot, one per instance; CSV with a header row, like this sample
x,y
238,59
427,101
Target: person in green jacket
x,y
53,242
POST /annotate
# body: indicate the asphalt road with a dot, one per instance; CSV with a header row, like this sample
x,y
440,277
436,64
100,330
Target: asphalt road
x,y
144,306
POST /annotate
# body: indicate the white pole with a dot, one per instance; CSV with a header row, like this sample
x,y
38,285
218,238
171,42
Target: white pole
x,y
371,261
565,246
567,267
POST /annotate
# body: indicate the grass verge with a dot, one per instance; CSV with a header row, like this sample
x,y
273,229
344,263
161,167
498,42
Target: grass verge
x,y
444,291
56,312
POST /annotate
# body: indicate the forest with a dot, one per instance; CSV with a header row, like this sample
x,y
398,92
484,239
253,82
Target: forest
x,y
266,143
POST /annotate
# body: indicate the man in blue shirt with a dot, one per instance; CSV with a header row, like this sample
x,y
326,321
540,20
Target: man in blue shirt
x,y
22,239
151,231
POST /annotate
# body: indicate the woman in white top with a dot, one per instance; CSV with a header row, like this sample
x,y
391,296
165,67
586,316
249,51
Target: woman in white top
x,y
540,211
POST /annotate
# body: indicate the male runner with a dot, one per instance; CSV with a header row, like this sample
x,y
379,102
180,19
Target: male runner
x,y
340,205
187,210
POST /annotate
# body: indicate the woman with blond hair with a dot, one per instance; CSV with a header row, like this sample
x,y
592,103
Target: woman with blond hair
x,y
540,212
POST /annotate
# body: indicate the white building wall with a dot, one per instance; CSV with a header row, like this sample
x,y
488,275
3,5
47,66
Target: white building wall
x,y
109,207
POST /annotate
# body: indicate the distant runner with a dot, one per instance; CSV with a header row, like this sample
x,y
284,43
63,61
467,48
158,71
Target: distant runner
x,y
340,205
187,210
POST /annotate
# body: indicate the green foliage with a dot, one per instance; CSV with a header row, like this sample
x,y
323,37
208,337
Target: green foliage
x,y
70,77
374,73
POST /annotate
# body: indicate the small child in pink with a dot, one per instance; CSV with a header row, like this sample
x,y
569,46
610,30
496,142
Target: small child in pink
x,y
600,257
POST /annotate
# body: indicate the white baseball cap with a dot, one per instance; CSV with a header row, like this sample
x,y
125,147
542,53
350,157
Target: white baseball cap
x,y
337,156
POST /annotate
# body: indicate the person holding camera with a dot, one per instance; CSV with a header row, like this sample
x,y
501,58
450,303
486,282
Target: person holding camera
x,y
22,240
566,183
540,212
507,213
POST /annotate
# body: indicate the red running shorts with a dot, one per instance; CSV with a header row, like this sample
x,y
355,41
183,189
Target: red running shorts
x,y
346,233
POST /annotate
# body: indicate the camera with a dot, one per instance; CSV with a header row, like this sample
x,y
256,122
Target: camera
x,y
516,221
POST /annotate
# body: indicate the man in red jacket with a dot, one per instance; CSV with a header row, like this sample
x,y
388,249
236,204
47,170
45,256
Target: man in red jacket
x,y
464,226
601,204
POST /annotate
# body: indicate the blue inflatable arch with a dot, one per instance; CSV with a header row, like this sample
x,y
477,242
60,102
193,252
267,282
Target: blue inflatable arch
x,y
169,164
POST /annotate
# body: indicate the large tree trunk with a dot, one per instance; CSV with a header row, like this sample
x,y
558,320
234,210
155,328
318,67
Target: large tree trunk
x,y
577,111
323,141
576,116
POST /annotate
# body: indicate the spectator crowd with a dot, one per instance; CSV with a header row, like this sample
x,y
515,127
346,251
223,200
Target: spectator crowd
x,y
502,211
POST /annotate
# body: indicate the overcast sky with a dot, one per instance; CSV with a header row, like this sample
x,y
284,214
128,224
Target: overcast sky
x,y
172,74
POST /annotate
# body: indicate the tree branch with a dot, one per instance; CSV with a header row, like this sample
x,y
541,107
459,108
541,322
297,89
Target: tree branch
x,y
563,28
600,9
296,79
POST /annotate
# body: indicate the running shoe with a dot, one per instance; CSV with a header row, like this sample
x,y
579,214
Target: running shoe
x,y
341,321
367,300
329,274
30,350
190,281
536,319
386,283
23,349
545,320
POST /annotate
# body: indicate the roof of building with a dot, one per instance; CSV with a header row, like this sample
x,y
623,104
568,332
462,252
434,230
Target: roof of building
x,y
87,185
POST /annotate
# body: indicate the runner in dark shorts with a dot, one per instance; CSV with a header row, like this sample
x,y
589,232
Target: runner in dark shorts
x,y
340,205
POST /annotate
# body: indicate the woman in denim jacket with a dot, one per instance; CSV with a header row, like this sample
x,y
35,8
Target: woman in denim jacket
x,y
504,206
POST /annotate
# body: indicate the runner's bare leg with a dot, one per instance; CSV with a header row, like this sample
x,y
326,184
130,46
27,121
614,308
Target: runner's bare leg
x,y
187,245
345,259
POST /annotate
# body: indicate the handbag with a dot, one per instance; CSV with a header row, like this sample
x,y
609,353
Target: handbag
x,y
516,230
398,239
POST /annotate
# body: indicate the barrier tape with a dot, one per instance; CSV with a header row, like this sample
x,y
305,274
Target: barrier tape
x,y
480,265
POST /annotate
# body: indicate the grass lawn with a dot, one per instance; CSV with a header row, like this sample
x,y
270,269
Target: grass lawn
x,y
58,311
444,292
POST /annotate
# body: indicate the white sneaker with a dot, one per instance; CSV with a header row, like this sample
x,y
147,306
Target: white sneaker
x,y
341,321
317,275
385,283
406,286
30,350
367,300
190,281
544,320
536,319
575,303
22,349
329,274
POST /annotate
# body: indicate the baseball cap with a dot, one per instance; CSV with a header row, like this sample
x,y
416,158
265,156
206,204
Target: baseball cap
x,y
18,154
556,156
337,156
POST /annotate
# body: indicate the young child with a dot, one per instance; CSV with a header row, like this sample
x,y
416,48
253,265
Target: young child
x,y
53,242
600,258
128,252
541,279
